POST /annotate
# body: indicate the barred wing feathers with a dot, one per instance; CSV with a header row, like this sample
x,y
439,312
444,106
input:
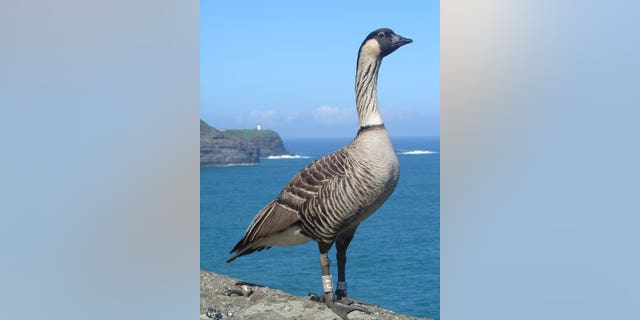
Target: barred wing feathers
x,y
293,202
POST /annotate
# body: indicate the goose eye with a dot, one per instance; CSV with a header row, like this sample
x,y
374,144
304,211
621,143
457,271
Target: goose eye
x,y
381,34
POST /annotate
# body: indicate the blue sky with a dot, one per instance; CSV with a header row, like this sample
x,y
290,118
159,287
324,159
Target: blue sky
x,y
290,65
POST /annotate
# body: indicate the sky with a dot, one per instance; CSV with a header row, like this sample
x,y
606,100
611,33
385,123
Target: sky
x,y
290,66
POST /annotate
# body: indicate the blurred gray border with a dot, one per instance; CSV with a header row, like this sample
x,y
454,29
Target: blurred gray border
x,y
99,165
539,167
100,159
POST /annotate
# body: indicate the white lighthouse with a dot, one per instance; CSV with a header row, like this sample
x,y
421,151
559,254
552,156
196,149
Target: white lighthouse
x,y
259,127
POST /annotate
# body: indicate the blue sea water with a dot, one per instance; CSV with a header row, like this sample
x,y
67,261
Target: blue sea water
x,y
393,260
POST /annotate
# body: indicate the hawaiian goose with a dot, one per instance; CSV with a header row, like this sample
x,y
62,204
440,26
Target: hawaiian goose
x,y
328,199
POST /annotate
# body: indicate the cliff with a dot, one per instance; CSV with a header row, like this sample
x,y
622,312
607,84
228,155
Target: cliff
x,y
268,141
222,297
218,148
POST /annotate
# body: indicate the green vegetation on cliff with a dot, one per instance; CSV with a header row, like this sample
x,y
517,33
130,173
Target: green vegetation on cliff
x,y
268,141
250,134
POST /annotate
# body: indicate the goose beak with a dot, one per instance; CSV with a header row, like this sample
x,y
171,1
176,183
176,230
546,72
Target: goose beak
x,y
398,41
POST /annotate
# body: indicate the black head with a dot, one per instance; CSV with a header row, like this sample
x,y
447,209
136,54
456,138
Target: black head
x,y
387,40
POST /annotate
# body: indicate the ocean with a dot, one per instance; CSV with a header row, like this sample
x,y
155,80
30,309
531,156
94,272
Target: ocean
x,y
393,260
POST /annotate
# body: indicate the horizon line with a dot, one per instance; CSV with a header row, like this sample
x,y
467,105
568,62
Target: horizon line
x,y
351,137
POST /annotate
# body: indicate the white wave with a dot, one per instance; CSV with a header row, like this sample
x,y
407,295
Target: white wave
x,y
417,152
286,156
239,164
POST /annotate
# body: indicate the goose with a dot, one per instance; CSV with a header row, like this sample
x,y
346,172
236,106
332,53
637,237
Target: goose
x,y
329,198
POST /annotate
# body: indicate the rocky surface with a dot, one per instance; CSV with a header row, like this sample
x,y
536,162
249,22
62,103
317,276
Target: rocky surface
x,y
218,148
222,297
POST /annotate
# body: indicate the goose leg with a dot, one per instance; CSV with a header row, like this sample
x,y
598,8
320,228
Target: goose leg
x,y
339,308
342,242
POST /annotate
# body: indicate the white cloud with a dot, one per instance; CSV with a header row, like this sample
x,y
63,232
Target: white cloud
x,y
334,115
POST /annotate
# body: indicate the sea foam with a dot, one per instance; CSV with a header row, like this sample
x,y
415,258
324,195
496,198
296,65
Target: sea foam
x,y
286,156
239,164
417,152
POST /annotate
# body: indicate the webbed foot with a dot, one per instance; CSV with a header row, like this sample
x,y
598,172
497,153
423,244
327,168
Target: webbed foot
x,y
341,308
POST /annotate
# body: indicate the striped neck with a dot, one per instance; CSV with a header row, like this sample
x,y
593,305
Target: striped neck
x,y
366,97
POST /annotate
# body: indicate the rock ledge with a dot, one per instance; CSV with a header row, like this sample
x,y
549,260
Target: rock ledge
x,y
222,297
